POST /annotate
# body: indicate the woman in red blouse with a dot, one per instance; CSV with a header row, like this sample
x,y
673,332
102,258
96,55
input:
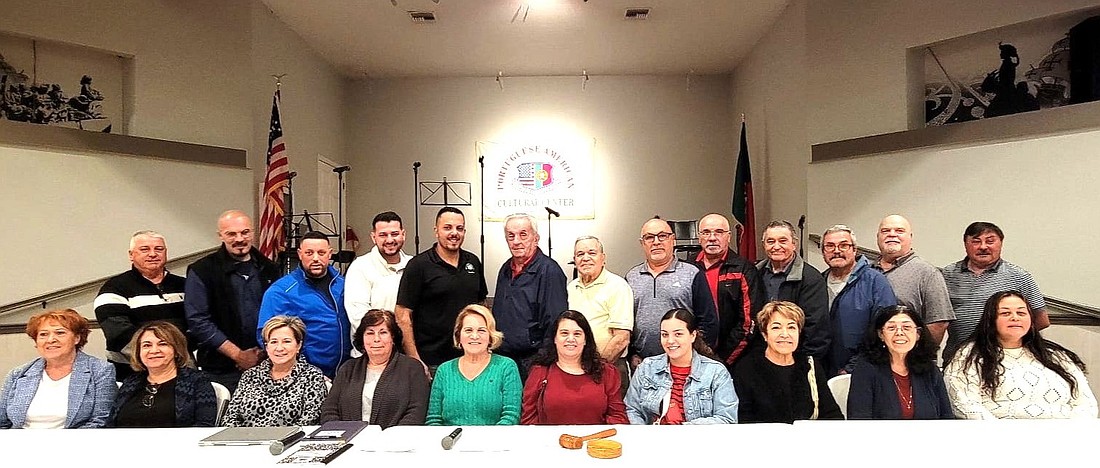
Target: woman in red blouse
x,y
569,382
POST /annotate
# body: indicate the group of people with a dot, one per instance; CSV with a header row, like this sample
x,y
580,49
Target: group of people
x,y
409,340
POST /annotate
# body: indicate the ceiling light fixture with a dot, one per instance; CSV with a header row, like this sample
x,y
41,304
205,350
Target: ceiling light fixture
x,y
584,79
500,79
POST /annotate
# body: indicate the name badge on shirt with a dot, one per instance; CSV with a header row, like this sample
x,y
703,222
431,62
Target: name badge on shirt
x,y
470,268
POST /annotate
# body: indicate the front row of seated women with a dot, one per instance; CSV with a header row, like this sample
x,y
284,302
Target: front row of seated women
x,y
1005,370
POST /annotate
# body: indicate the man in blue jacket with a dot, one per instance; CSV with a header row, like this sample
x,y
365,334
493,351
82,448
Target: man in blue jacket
x,y
314,292
856,293
530,293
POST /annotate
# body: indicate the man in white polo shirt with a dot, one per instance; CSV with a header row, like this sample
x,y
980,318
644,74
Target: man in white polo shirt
x,y
372,279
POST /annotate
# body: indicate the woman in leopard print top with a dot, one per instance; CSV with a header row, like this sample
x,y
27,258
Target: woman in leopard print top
x,y
284,389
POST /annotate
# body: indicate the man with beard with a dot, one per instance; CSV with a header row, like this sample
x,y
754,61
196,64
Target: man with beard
x,y
856,293
982,273
735,287
145,293
313,292
436,285
787,277
530,293
916,283
662,283
222,301
372,279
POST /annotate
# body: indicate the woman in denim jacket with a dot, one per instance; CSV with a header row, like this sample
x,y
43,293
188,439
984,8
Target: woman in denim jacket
x,y
685,385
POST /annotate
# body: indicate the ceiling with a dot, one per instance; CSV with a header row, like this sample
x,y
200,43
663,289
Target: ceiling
x,y
375,38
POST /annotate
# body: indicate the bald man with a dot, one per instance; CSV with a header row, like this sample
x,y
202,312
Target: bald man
x,y
223,292
735,286
917,284
663,283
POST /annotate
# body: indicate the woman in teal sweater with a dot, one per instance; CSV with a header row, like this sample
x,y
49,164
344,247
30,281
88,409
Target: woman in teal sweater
x,y
479,388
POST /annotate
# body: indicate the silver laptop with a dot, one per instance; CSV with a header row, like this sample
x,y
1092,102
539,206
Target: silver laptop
x,y
248,436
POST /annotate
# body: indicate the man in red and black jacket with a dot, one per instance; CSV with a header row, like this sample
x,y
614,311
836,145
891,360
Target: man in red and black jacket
x,y
735,286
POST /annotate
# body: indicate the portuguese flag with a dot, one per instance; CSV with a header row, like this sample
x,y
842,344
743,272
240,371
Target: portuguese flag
x,y
743,209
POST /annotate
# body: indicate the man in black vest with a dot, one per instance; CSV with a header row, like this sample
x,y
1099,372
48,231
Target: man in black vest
x,y
222,301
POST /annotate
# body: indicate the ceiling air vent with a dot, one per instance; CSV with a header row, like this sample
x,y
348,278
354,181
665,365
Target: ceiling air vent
x,y
636,14
422,17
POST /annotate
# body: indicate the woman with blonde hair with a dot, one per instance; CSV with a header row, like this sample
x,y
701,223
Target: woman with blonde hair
x,y
780,384
282,390
478,388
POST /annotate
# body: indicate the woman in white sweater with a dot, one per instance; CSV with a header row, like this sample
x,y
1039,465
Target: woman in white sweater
x,y
1006,370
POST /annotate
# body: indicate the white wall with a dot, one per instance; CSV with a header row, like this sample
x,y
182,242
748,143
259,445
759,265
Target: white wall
x,y
769,87
660,148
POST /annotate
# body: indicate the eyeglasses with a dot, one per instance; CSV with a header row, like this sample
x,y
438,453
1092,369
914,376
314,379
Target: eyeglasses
x,y
891,329
150,394
659,237
715,233
842,247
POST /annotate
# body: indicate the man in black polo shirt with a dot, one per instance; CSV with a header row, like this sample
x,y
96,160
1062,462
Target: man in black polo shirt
x,y
436,285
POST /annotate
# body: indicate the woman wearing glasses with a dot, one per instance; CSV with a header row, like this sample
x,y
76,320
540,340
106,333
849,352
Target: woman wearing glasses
x,y
164,391
896,376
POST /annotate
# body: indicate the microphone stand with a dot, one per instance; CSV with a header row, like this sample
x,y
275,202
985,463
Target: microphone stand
x,y
342,230
801,235
549,237
416,203
288,223
481,163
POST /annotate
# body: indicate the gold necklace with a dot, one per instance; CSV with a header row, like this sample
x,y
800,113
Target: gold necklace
x,y
908,401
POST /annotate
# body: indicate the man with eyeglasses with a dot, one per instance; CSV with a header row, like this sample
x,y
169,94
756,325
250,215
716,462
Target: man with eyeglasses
x,y
530,293
856,293
313,292
662,283
981,274
372,279
222,301
606,300
735,286
787,277
144,293
917,284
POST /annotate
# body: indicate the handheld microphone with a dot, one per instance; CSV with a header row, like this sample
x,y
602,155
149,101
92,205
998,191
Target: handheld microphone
x,y
802,223
449,441
551,211
416,164
279,446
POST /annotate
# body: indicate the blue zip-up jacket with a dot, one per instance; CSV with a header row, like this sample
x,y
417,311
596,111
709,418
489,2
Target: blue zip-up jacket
x,y
851,312
328,332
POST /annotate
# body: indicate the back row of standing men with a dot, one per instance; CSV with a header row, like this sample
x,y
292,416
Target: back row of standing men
x,y
228,294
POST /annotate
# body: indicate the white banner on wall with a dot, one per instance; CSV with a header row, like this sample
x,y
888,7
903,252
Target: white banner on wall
x,y
529,175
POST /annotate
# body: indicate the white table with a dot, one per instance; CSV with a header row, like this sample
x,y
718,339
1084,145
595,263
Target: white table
x,y
825,444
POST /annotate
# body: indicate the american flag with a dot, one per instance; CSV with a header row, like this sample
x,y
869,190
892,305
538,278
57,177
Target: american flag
x,y
272,237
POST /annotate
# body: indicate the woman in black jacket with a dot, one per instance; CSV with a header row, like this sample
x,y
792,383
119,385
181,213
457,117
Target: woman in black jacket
x,y
781,384
896,376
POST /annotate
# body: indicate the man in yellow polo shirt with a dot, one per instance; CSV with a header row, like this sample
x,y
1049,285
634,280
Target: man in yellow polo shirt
x,y
606,300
